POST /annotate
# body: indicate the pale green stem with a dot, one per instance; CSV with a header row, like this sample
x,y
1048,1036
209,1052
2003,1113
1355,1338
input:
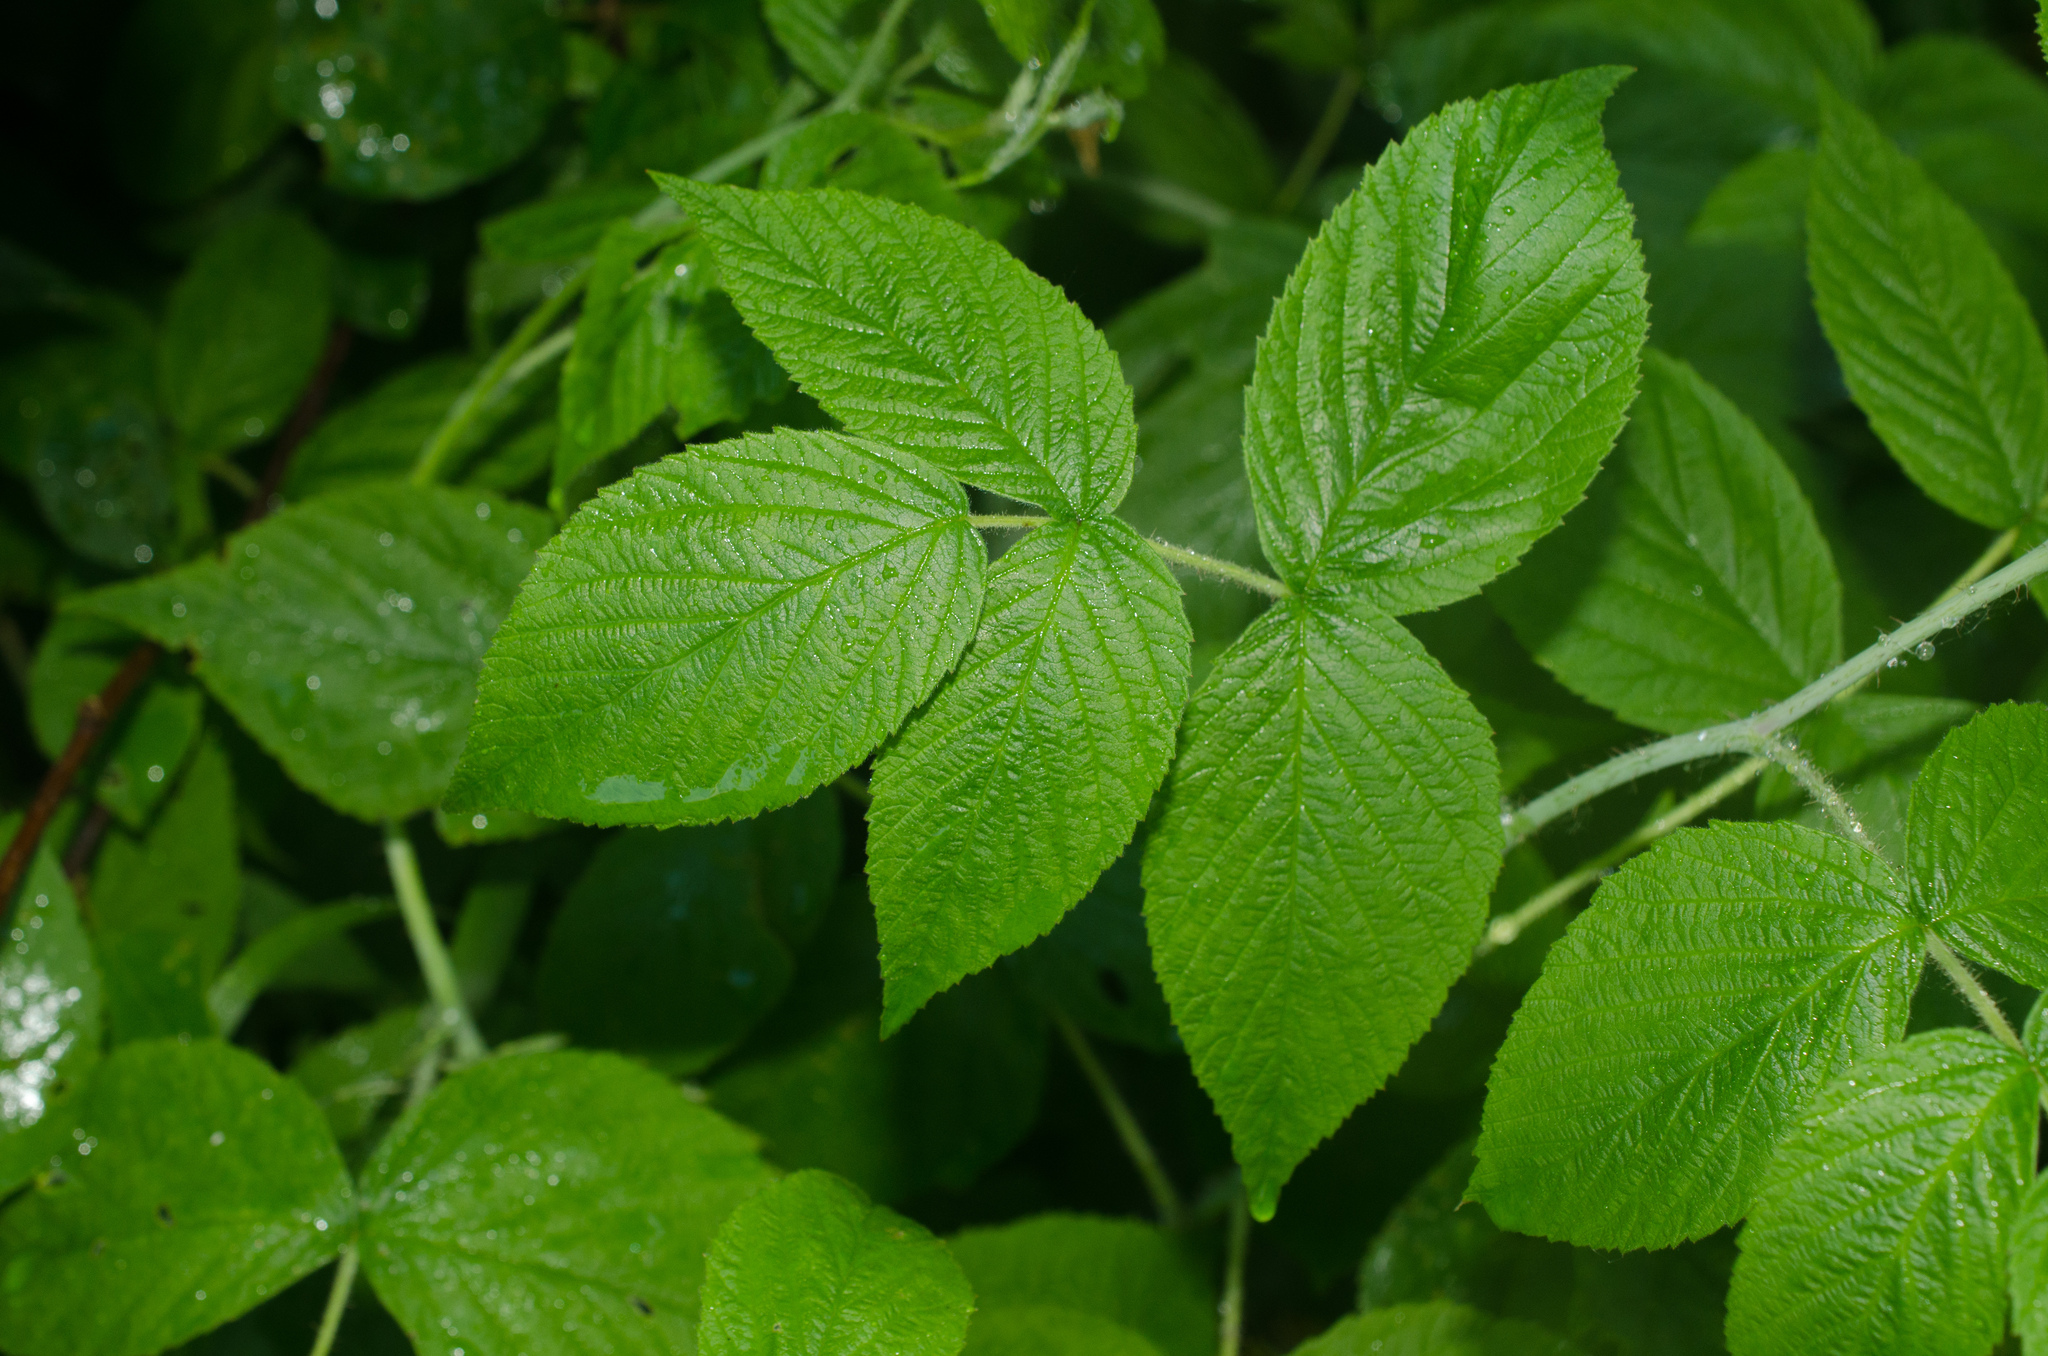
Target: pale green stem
x,y
872,59
1742,735
232,476
1967,984
337,1301
1505,929
2001,547
1031,122
1319,143
1173,555
443,987
1230,1320
1164,1198
1814,782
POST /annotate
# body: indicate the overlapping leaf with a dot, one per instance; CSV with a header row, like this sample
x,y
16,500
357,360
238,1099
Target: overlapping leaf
x,y
1435,1330
1119,1270
49,1015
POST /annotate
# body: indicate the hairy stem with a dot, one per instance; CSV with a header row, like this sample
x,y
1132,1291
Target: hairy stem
x,y
1737,736
1815,783
443,987
1230,1321
1195,561
1319,143
1164,1198
1973,990
1509,926
337,1301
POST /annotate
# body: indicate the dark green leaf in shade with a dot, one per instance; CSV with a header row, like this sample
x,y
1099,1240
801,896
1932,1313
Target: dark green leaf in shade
x,y
1130,1273
1978,840
345,633
181,876
1935,342
155,986
1096,966
1321,872
203,1182
414,98
189,95
140,755
379,436
384,296
2027,1264
1003,800
1695,586
1190,131
663,948
825,38
540,1195
1680,1027
563,226
269,958
918,332
1883,1222
1454,355
678,118
1126,40
243,329
327,961
354,1073
1760,203
1872,745
863,153
723,633
1045,1330
49,1016
809,1267
1437,1329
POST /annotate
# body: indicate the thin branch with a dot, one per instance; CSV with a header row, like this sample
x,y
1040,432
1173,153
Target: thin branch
x,y
436,967
1319,143
1815,783
1980,999
337,1301
1230,1312
78,857
1164,1198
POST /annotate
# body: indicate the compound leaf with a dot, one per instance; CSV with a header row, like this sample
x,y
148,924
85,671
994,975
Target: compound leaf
x,y
809,1267
204,1182
1696,586
538,1195
1003,800
1455,353
1882,1224
345,633
1120,1270
917,331
1978,840
723,633
1681,1025
1936,343
49,1014
1321,872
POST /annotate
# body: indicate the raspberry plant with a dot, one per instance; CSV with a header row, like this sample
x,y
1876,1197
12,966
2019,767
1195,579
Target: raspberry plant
x,y
1509,684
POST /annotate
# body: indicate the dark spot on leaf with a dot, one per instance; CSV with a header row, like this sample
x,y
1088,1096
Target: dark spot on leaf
x,y
163,1217
642,1305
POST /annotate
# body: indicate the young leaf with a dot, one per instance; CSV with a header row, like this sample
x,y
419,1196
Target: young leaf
x,y
552,1204
1003,800
345,633
2028,1264
1321,873
1454,355
723,633
1120,1270
1978,840
1435,1330
49,1015
810,1268
1696,585
242,332
1935,342
1045,1330
1680,1026
918,332
824,38
1882,1224
204,1181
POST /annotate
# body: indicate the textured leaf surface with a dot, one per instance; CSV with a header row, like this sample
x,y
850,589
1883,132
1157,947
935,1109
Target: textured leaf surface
x,y
539,1196
204,1182
1978,837
1455,353
345,633
1883,1222
1044,1330
1681,1025
2028,1263
809,1267
1321,872
1004,799
1696,585
724,633
1936,343
919,332
49,1015
1435,1330
1117,1269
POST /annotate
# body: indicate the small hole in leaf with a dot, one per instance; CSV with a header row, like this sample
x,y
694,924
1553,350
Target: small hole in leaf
x,y
642,1305
1113,987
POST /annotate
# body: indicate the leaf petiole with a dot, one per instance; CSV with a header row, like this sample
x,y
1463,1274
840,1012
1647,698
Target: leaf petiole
x,y
1208,566
443,987
337,1301
1164,1198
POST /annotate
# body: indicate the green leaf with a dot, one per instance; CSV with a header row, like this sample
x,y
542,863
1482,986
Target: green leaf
x,y
204,1182
1935,342
809,1267
1130,1273
1978,840
1883,1222
563,226
384,296
2027,1260
49,1015
1321,873
138,758
265,960
1696,585
190,94
1454,355
1872,746
663,948
1435,1330
1096,967
920,333
680,117
243,331
735,627
181,876
1125,38
1190,131
1044,1330
414,99
355,1072
1680,1027
345,633
863,153
537,1195
378,436
1760,203
824,38
1003,800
